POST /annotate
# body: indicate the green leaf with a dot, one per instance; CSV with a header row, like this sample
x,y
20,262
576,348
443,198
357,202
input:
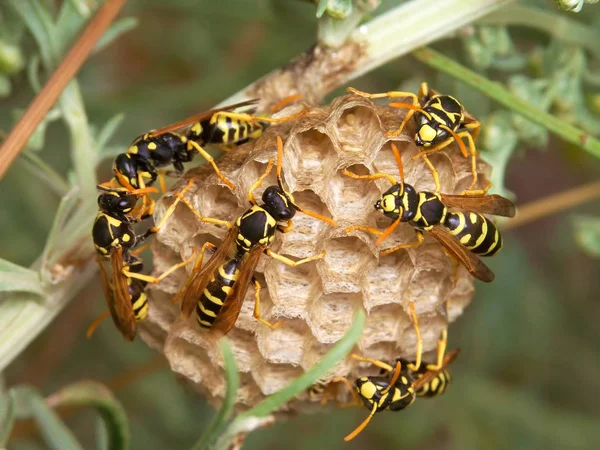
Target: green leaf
x,y
55,433
587,234
321,7
5,86
39,23
33,73
82,7
115,31
69,23
107,132
16,278
44,173
302,383
96,395
7,416
232,378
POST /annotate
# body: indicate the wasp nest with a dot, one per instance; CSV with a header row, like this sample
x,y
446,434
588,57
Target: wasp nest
x,y
316,301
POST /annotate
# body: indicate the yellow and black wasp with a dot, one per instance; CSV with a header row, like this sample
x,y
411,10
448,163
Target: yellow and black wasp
x,y
465,234
441,120
216,290
178,143
114,239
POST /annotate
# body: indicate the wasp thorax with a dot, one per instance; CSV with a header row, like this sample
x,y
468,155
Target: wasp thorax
x,y
116,202
278,203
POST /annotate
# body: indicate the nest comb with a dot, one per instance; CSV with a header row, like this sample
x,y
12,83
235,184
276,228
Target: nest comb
x,y
316,301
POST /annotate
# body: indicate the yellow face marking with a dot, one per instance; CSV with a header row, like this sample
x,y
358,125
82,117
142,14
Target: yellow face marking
x,y
217,301
388,203
152,146
465,239
427,134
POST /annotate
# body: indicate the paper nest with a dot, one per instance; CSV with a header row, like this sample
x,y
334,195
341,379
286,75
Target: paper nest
x,y
316,301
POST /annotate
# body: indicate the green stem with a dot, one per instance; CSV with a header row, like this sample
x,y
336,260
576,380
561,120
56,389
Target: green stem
x,y
503,96
557,25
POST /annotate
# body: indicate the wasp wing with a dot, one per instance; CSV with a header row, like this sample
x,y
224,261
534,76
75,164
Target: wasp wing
x,y
431,374
199,117
117,296
470,260
198,280
233,304
485,204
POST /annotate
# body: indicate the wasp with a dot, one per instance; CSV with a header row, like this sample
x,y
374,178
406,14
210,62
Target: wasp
x,y
178,143
440,120
114,239
465,234
216,290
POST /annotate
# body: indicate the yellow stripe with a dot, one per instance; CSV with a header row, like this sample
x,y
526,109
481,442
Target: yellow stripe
x,y
494,244
438,119
203,322
461,225
227,276
212,298
206,311
435,383
465,239
142,313
226,289
484,230
139,302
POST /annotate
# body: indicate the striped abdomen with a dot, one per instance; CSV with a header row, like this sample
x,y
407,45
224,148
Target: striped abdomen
x,y
224,130
436,386
216,292
139,300
476,232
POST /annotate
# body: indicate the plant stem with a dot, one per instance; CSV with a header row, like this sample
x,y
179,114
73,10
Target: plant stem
x,y
558,25
503,96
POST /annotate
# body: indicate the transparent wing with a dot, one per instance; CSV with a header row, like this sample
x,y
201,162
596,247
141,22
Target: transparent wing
x,y
117,296
485,204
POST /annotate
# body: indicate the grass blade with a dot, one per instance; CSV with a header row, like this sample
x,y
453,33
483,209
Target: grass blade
x,y
108,131
232,378
503,96
7,417
300,384
55,432
14,278
99,397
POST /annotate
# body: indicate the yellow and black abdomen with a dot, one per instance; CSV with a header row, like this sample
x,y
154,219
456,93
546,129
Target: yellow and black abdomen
x,y
437,386
225,130
216,292
139,300
475,231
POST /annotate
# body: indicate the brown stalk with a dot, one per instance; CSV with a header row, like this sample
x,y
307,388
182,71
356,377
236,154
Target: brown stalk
x,y
63,74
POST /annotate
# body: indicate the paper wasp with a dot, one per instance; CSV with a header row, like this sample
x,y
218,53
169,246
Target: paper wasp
x,y
114,239
216,290
464,234
178,143
441,120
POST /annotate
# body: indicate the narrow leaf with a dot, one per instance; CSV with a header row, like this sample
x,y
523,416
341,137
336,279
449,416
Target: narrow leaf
x,y
587,234
300,384
232,378
321,7
115,31
54,431
108,131
33,73
7,416
96,395
16,278
44,173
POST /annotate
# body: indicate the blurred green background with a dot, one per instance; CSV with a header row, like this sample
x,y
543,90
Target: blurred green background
x,y
527,377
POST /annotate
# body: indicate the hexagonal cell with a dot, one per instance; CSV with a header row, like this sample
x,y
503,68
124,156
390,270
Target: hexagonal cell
x,y
300,242
346,262
190,361
358,196
218,202
162,311
355,126
431,327
386,282
271,378
292,289
386,162
382,326
310,157
284,345
461,295
248,392
443,164
332,315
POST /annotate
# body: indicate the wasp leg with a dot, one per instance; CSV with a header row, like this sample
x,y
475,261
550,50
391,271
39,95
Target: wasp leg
x,y
259,182
474,128
211,161
170,210
161,181
390,94
370,230
434,172
291,262
441,351
218,222
154,280
373,176
285,101
415,320
375,362
256,313
355,396
196,269
413,244
97,321
363,425
286,228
